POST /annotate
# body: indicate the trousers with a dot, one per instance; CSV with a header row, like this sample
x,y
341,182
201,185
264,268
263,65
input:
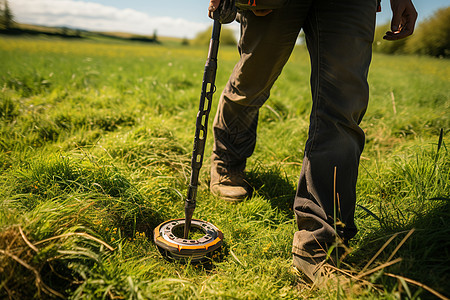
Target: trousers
x,y
339,36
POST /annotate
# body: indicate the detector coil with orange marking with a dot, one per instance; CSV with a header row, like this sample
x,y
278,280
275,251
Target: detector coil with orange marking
x,y
168,237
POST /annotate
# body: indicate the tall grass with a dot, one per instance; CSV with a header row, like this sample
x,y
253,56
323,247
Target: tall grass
x,y
95,143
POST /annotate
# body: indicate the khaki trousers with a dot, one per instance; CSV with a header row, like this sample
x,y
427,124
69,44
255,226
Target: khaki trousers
x,y
339,37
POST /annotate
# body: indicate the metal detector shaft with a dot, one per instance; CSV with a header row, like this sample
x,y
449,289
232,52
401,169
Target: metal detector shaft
x,y
208,89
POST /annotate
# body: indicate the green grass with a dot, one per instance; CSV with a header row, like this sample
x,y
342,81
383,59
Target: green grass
x,y
95,145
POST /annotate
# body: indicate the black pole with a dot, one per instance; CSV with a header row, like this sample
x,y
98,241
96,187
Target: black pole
x,y
201,126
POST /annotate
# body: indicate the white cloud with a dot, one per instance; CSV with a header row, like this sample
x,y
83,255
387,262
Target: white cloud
x,y
95,16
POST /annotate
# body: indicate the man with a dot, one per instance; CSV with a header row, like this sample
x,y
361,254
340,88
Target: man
x,y
339,37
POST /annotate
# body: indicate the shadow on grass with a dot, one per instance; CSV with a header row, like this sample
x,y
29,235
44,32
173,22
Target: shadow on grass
x,y
273,185
425,254
207,263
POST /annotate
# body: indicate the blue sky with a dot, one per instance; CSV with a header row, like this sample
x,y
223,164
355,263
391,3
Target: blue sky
x,y
178,18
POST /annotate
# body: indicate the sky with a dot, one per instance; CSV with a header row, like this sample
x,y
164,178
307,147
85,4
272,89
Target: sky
x,y
174,18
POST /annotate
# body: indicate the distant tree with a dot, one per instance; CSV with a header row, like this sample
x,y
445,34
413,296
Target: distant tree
x,y
432,36
226,37
155,35
6,16
2,14
185,41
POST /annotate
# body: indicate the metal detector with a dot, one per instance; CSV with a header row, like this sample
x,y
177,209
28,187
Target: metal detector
x,y
167,236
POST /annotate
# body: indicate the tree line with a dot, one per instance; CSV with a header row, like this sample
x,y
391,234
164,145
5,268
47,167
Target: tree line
x,y
431,37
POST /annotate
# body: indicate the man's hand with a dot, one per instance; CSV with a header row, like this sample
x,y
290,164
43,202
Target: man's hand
x,y
404,17
213,5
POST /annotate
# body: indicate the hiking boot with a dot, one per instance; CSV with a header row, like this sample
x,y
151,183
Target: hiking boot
x,y
319,269
229,185
314,270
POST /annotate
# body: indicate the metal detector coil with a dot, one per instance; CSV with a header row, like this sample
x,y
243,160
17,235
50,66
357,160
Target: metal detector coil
x,y
171,245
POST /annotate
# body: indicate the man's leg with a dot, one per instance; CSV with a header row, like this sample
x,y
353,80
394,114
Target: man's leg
x,y
339,36
265,46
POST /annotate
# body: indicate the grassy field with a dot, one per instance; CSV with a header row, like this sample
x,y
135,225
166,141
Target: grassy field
x,y
95,145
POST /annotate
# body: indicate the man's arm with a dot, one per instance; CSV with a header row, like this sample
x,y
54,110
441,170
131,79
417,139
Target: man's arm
x,y
404,16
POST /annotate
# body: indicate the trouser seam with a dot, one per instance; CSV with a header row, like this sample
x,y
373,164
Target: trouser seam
x,y
315,99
